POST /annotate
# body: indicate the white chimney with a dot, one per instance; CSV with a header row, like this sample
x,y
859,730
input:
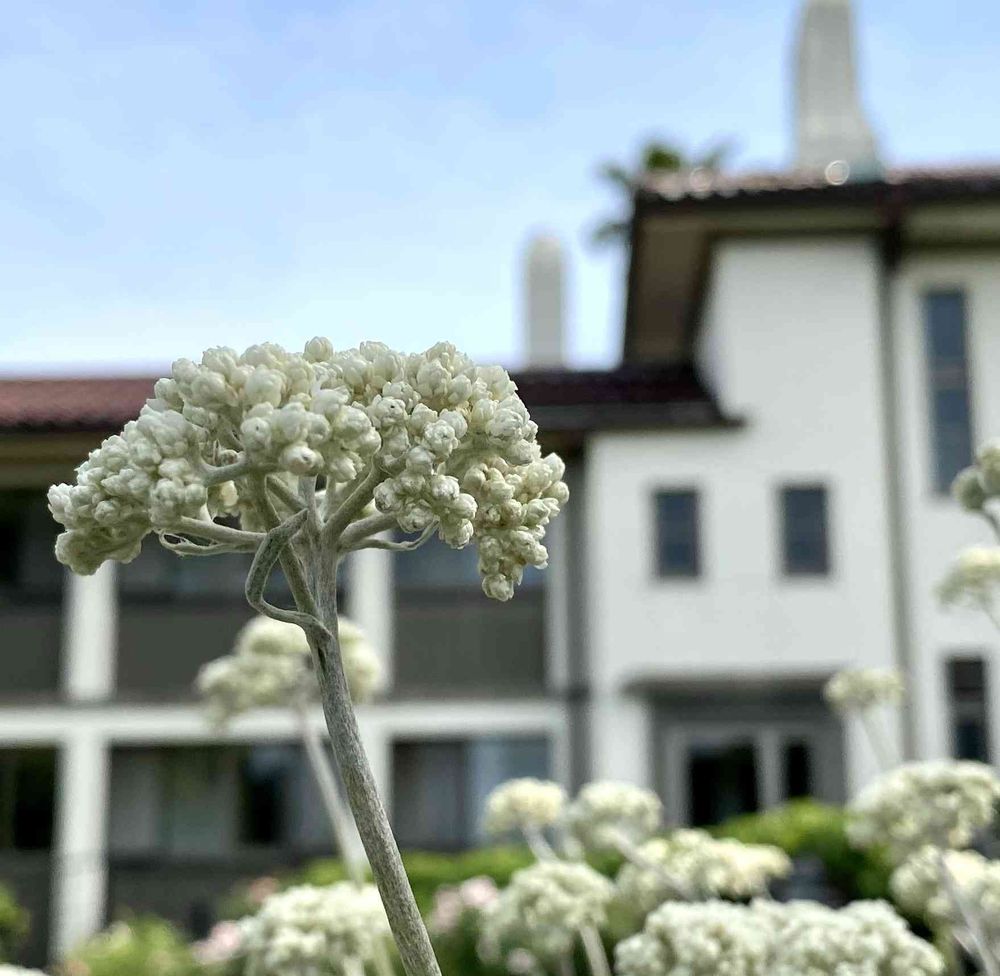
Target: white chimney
x,y
543,301
832,131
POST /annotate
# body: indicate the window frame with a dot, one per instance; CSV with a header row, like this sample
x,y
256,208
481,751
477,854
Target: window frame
x,y
783,490
940,490
697,532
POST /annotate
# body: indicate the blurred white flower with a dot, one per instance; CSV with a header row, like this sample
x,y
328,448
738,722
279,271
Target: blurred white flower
x,y
223,944
606,813
771,939
315,931
271,665
693,864
544,908
858,689
942,803
524,804
974,579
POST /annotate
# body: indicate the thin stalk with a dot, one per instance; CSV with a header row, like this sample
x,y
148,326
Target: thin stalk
x,y
538,845
593,948
340,819
630,852
883,754
339,816
989,962
407,926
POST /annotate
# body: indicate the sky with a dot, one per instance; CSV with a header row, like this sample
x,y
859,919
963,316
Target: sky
x,y
179,175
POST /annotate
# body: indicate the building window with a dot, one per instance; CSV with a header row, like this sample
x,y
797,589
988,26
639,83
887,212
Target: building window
x,y
451,639
948,384
440,785
967,696
28,570
27,791
677,551
805,548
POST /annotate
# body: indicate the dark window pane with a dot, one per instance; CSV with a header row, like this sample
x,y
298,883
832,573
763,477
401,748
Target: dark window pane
x,y
677,533
967,683
805,546
440,787
948,384
722,781
28,566
797,761
27,798
265,772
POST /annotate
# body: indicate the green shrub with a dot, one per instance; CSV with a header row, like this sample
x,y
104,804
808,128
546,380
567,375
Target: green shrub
x,y
805,827
146,946
14,923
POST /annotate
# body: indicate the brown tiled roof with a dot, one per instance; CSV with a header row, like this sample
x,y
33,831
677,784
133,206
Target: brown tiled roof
x,y
77,404
914,183
564,399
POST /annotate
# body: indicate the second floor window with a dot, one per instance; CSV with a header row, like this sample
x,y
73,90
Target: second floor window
x,y
677,549
805,548
948,385
967,696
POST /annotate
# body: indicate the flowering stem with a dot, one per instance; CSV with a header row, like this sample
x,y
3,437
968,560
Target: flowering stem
x,y
630,852
407,926
880,748
594,950
989,962
538,845
337,814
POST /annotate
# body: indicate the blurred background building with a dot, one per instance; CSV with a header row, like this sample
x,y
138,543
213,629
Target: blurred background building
x,y
760,497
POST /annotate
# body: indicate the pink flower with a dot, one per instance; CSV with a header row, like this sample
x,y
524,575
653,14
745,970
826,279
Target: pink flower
x,y
478,893
261,889
223,942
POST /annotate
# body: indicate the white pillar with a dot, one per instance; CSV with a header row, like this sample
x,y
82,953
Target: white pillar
x,y
80,874
90,629
557,596
370,601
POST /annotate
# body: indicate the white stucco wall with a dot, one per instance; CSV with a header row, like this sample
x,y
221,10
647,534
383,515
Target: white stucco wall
x,y
936,527
793,328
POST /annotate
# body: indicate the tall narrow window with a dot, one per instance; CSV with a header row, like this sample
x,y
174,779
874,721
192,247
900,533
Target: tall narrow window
x,y
805,547
677,551
967,703
948,384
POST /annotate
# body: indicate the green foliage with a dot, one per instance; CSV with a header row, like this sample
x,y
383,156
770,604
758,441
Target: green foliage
x,y
428,872
804,827
14,923
146,946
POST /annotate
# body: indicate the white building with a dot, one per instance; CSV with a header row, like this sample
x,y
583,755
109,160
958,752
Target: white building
x,y
759,498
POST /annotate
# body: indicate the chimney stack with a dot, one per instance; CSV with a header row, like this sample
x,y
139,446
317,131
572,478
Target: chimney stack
x,y
832,132
543,301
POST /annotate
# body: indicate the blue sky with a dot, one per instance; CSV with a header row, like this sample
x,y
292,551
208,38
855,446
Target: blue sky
x,y
177,175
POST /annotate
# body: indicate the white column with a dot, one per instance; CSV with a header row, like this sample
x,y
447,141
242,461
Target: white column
x,y
556,582
370,601
90,630
80,874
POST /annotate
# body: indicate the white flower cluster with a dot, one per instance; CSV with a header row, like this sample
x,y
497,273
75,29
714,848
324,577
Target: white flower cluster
x,y
524,804
452,442
916,884
974,486
974,579
544,907
603,812
918,888
700,939
693,864
319,931
770,939
271,665
940,802
858,689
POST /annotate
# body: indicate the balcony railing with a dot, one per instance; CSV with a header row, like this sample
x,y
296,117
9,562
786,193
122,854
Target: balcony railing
x,y
456,641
